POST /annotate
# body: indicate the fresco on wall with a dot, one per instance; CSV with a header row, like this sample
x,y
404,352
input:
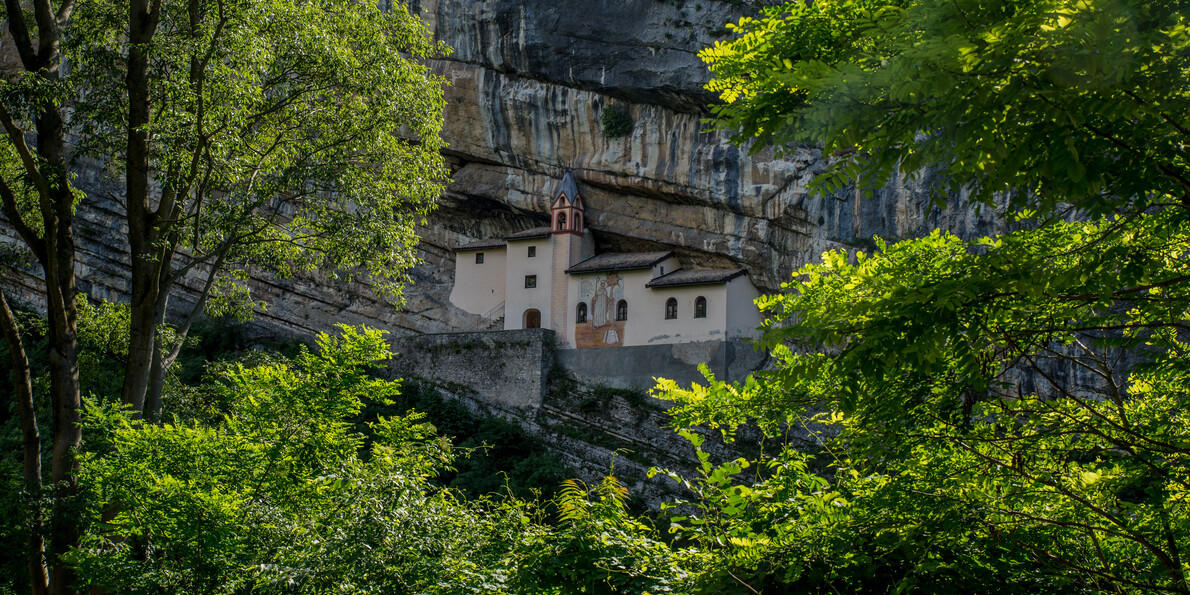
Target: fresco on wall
x,y
601,293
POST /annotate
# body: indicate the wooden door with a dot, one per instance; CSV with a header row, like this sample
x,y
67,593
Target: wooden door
x,y
532,318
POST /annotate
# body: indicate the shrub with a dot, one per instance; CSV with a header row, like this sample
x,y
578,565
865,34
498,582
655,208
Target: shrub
x,y
617,122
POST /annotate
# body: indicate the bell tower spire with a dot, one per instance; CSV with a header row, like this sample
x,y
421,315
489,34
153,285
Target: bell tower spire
x,y
567,215
567,225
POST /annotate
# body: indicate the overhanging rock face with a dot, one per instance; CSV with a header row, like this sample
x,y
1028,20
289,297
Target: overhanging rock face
x,y
529,80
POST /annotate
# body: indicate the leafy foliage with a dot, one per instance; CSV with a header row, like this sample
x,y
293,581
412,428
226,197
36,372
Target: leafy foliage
x,y
1001,408
616,121
1050,101
276,497
597,547
994,414
294,135
494,456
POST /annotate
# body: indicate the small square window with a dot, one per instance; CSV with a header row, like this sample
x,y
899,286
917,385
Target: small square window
x,y
530,281
479,258
532,251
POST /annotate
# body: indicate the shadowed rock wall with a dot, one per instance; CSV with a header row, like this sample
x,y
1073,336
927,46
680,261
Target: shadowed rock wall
x,y
529,80
528,83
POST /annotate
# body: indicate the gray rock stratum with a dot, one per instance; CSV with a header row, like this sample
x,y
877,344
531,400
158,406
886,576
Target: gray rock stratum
x,y
528,83
529,80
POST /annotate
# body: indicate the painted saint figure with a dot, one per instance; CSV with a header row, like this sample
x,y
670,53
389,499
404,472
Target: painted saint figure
x,y
601,305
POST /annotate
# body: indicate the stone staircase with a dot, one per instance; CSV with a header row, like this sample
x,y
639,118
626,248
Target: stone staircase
x,y
492,320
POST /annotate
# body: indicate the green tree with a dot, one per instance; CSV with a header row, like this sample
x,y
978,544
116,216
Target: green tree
x,y
1049,101
991,414
292,136
596,547
277,497
983,389
283,135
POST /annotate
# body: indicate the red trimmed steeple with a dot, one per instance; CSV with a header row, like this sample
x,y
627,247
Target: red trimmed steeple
x,y
567,213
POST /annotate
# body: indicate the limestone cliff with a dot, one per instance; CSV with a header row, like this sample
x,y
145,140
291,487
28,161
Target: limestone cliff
x,y
529,80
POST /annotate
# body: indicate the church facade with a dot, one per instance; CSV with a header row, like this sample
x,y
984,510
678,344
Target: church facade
x,y
550,277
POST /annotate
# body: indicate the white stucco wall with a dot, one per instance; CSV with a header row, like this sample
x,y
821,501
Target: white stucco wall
x,y
567,252
646,324
624,285
668,265
479,287
743,316
655,328
517,298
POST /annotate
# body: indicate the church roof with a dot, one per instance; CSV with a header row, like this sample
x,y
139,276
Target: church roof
x,y
619,261
480,245
569,187
682,277
530,234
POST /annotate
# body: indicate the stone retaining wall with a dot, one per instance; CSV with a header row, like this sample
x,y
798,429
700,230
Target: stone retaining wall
x,y
504,369
637,367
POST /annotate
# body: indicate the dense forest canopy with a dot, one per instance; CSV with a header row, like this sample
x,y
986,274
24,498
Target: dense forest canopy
x,y
999,414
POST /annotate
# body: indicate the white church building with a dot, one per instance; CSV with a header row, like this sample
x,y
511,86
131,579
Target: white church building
x,y
550,277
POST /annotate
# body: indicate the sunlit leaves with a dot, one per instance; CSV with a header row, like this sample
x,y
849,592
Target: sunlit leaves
x,y
1061,101
278,497
1010,407
291,136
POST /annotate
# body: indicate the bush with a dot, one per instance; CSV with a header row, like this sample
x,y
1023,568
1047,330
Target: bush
x,y
617,122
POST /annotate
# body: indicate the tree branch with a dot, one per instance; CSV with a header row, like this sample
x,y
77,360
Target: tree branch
x,y
13,213
17,135
31,443
20,34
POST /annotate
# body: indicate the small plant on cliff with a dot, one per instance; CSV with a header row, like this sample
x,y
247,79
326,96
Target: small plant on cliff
x,y
617,122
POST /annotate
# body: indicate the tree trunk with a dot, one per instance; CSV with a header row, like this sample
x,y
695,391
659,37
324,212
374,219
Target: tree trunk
x,y
62,313
31,442
47,167
142,337
67,430
142,220
161,361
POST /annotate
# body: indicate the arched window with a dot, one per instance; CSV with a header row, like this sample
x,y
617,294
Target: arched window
x,y
561,221
581,314
671,309
578,222
700,307
622,310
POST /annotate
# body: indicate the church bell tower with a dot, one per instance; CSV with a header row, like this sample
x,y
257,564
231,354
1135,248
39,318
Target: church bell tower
x,y
567,224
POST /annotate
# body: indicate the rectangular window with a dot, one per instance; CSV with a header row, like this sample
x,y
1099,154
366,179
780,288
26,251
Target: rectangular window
x,y
532,251
530,281
479,258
